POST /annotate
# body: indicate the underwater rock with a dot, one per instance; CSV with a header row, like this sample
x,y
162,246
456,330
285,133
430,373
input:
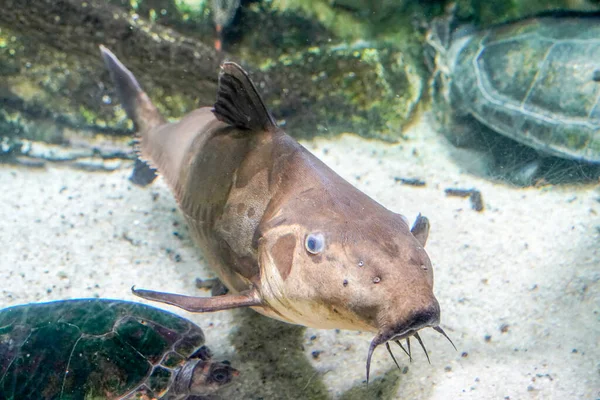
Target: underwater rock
x,y
53,86
50,71
358,88
94,164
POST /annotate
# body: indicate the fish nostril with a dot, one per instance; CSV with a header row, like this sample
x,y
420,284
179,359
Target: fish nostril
x,y
426,317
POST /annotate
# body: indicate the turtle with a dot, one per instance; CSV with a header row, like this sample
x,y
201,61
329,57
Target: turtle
x,y
534,80
104,349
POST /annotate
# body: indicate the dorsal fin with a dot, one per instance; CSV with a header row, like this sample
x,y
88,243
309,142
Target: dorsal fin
x,y
238,102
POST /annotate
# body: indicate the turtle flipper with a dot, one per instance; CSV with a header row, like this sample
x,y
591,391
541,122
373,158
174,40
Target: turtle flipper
x,y
247,298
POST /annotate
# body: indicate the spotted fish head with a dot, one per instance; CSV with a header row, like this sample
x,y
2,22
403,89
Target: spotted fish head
x,y
338,259
355,265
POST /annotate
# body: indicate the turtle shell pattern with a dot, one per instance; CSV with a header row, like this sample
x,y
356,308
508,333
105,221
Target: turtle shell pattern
x,y
535,80
91,349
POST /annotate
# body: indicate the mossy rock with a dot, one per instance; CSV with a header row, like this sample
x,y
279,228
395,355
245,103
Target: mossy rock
x,y
382,388
52,75
55,76
349,88
272,357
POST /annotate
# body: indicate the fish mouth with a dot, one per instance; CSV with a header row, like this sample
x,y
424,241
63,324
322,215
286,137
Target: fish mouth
x,y
404,331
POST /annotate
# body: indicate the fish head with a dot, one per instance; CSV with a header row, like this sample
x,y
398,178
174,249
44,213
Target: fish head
x,y
346,264
356,266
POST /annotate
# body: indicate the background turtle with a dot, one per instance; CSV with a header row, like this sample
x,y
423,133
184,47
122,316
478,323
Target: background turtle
x,y
533,80
104,349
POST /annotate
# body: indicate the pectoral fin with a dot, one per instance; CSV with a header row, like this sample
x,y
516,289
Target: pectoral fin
x,y
420,229
142,174
247,298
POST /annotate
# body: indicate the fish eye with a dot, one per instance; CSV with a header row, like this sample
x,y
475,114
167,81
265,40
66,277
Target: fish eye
x,y
314,243
220,375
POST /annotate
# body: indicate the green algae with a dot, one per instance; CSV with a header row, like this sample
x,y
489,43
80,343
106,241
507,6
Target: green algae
x,y
382,388
376,90
339,22
363,57
377,87
271,352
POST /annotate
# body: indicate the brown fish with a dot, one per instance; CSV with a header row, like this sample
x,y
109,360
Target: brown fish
x,y
286,235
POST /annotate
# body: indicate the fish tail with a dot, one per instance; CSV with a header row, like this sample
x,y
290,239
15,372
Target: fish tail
x,y
136,102
139,108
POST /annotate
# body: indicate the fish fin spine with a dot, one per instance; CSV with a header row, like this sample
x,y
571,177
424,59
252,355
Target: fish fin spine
x,y
238,102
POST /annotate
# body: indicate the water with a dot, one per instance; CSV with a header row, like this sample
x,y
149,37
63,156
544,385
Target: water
x,y
517,282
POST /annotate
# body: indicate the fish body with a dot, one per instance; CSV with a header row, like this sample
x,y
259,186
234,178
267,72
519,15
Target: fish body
x,y
286,234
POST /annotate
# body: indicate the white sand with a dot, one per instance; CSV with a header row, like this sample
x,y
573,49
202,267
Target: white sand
x,y
530,260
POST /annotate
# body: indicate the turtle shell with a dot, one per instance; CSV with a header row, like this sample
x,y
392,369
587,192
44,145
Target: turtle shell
x,y
534,80
102,349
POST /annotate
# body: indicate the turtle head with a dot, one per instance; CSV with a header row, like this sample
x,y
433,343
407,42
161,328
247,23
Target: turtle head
x,y
213,375
203,376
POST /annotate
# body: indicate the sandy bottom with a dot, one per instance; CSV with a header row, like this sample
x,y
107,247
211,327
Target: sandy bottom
x,y
517,283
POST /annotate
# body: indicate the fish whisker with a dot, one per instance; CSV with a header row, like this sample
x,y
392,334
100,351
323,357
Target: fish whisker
x,y
408,346
404,349
387,346
374,343
423,346
440,330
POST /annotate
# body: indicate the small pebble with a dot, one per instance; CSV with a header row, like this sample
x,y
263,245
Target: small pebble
x,y
410,181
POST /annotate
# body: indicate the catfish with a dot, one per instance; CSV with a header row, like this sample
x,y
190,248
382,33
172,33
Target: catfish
x,y
284,233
